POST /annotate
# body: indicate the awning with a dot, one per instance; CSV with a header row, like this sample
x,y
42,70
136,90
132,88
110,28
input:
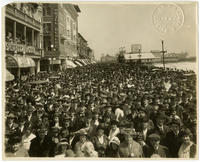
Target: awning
x,y
93,62
81,60
9,76
86,61
69,64
78,63
19,61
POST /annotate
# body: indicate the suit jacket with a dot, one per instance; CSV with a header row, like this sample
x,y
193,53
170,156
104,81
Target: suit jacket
x,y
162,151
173,142
162,133
98,145
38,149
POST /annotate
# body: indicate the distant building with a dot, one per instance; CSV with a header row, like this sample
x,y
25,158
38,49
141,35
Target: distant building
x,y
143,57
24,37
82,47
90,54
108,58
170,57
156,53
60,34
175,56
136,48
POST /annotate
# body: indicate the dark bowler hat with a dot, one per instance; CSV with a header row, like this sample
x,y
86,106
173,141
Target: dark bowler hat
x,y
41,129
55,129
114,122
176,122
82,133
154,137
100,127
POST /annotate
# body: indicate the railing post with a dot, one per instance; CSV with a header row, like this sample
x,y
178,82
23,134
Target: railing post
x,y
24,34
14,31
32,37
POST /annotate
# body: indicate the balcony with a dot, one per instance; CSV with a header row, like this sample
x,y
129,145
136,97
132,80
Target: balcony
x,y
21,48
14,12
50,54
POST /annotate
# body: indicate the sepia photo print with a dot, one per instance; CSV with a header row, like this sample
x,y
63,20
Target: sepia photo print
x,y
101,80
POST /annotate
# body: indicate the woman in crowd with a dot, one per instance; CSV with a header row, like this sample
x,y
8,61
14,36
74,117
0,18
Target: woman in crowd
x,y
130,148
187,148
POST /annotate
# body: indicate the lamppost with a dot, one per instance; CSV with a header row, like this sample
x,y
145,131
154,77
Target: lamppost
x,y
139,55
163,52
52,57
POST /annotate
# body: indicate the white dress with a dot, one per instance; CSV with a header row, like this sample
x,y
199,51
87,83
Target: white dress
x,y
184,151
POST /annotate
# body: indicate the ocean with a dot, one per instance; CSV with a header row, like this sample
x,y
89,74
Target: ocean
x,y
180,65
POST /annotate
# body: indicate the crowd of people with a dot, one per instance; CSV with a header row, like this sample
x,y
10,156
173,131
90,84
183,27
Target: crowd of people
x,y
111,110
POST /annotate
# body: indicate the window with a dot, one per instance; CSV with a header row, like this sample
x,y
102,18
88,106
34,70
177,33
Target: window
x,y
68,34
47,43
46,11
62,41
74,26
47,28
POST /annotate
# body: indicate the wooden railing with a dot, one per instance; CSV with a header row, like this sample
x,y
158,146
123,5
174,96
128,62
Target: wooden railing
x,y
22,16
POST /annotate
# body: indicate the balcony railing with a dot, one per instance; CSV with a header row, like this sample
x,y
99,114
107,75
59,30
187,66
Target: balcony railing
x,y
22,16
21,48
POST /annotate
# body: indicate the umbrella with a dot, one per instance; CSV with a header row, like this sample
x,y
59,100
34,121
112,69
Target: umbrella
x,y
9,76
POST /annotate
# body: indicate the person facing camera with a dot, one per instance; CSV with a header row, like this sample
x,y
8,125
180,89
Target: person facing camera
x,y
154,149
187,148
130,148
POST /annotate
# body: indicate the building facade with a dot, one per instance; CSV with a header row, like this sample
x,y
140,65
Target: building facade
x,y
108,58
84,52
23,38
60,23
90,54
82,47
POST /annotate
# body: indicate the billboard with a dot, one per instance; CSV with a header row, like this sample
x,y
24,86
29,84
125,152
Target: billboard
x,y
135,48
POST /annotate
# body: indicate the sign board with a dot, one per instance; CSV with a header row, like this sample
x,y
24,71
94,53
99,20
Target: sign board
x,y
135,48
19,48
52,61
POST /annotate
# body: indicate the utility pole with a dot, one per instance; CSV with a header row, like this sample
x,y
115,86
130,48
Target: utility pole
x,y
163,52
139,54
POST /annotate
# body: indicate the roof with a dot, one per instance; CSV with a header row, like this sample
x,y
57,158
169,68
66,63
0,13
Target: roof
x,y
77,8
137,56
82,37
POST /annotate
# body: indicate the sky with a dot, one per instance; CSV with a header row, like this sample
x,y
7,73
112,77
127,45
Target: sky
x,y
107,26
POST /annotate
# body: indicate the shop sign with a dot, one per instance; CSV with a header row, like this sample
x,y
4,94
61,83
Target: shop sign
x,y
30,49
19,48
